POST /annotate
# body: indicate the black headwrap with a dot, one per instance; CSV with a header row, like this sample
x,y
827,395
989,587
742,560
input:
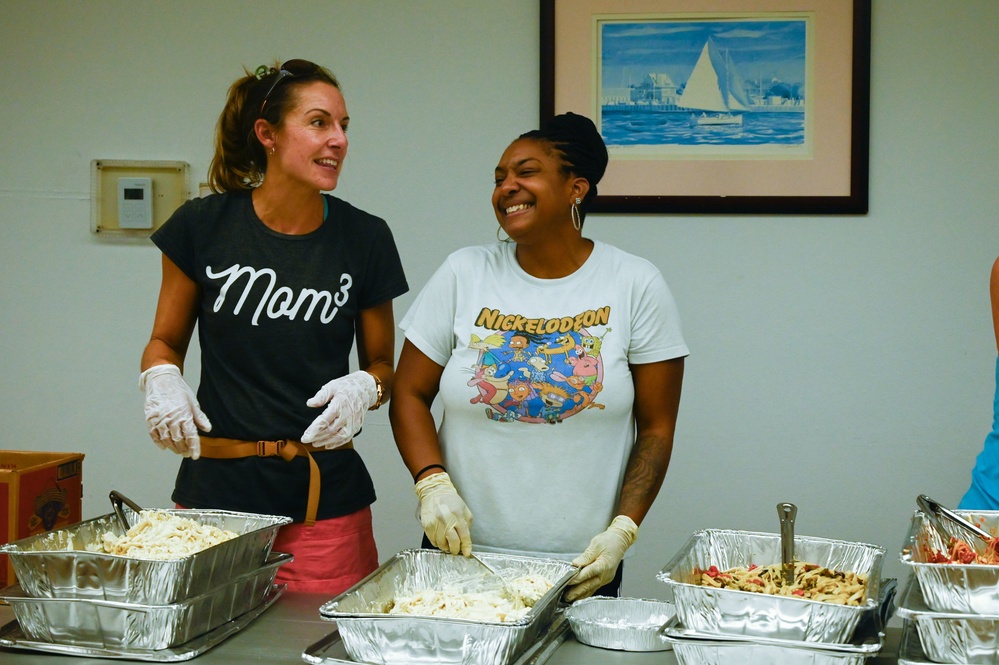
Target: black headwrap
x,y
581,145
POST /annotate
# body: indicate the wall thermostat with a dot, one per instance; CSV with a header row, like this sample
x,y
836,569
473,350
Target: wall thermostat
x,y
135,203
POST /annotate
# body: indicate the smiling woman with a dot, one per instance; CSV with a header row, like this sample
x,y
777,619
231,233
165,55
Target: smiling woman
x,y
538,174
282,280
546,329
305,151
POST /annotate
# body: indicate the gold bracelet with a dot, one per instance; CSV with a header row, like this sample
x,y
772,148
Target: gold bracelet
x,y
380,390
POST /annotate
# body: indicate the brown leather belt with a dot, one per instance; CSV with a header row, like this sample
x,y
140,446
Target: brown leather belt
x,y
219,448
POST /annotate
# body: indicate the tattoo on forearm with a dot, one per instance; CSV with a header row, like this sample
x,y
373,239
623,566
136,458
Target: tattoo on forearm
x,y
644,474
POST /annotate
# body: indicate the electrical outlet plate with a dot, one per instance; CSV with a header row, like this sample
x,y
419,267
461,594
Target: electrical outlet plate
x,y
170,186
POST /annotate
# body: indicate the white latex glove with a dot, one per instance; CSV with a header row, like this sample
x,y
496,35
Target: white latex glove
x,y
347,399
599,562
173,414
444,516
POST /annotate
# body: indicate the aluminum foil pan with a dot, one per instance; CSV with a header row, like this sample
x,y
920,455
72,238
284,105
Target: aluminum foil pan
x,y
57,565
83,622
624,624
329,649
370,635
867,640
699,652
727,611
12,637
950,587
950,637
910,652
719,649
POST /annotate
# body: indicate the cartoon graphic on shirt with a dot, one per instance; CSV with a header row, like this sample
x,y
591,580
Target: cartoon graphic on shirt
x,y
487,345
518,343
492,389
537,370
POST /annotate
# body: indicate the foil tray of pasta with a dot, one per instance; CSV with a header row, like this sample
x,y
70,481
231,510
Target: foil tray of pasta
x,y
730,582
695,648
956,571
85,622
426,606
96,559
950,637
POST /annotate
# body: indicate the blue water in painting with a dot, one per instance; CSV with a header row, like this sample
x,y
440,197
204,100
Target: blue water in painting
x,y
625,128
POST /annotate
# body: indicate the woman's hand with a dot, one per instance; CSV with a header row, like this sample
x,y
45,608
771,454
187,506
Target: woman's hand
x,y
347,399
599,562
173,414
444,515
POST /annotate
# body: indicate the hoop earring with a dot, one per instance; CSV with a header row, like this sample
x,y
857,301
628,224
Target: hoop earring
x,y
577,222
507,239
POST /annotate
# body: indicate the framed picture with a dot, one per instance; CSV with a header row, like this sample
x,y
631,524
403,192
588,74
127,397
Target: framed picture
x,y
717,106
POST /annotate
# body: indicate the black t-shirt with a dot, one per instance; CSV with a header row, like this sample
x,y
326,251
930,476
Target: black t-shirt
x,y
276,322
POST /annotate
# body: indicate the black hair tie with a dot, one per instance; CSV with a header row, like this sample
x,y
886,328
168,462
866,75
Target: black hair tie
x,y
427,468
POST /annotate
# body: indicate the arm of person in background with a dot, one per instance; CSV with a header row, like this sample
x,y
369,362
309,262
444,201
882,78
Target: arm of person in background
x,y
980,494
994,295
172,412
348,398
443,514
657,402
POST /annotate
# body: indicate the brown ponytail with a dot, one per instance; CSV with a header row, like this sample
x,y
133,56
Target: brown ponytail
x,y
240,161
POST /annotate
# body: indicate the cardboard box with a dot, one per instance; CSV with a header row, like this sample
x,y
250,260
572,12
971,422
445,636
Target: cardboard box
x,y
39,492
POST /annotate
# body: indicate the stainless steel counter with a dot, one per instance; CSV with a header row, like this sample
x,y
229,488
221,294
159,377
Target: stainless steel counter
x,y
293,623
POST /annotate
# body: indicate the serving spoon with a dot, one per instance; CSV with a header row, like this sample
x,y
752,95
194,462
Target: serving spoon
x,y
787,512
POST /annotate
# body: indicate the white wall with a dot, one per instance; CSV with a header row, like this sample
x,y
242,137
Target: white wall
x,y
841,363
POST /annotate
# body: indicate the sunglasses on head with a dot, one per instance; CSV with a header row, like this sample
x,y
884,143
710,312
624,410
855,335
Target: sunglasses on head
x,y
291,68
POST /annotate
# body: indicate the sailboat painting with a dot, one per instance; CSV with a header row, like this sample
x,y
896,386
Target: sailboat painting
x,y
714,86
705,86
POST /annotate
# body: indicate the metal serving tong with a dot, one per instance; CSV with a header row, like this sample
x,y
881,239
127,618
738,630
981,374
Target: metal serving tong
x,y
787,512
117,499
935,511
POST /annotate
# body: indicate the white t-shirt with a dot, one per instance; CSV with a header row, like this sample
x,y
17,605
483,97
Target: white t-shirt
x,y
536,389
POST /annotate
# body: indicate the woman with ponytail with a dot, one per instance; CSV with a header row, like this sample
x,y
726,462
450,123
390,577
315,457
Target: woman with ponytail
x,y
558,361
282,280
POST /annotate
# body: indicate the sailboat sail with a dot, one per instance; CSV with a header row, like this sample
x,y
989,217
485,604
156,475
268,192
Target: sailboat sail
x,y
714,84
